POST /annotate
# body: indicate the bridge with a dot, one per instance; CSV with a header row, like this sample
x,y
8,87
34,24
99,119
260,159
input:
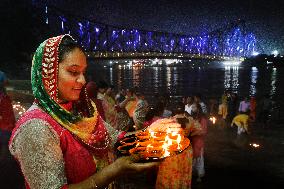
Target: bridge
x,y
104,41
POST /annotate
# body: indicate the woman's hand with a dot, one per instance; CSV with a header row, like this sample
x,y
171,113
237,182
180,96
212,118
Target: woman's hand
x,y
123,165
130,164
132,133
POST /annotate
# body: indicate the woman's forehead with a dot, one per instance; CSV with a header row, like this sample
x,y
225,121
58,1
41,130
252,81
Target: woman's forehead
x,y
75,58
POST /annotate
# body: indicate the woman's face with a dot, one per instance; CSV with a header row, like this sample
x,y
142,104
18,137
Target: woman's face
x,y
71,77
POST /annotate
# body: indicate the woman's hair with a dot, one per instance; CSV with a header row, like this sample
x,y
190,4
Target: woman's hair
x,y
92,90
66,46
197,112
179,108
102,85
156,110
131,91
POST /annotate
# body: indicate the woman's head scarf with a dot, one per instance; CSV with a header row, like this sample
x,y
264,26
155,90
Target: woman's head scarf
x,y
44,78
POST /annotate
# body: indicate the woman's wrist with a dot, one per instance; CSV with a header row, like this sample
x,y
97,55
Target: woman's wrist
x,y
100,179
117,167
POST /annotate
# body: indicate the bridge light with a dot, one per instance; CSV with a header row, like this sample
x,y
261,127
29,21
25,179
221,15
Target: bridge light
x,y
254,53
275,53
231,63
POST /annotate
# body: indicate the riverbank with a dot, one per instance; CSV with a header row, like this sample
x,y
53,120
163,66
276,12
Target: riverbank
x,y
20,91
233,161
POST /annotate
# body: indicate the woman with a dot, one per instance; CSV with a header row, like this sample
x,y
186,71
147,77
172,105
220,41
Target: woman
x,y
92,91
132,103
58,142
104,91
175,172
154,113
140,111
198,142
188,105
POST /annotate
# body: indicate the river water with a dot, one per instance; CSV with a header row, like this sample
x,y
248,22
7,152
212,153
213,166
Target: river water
x,y
178,81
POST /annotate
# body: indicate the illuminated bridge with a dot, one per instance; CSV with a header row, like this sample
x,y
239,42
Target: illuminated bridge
x,y
106,41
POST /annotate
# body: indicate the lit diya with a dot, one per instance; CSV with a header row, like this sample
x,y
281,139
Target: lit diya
x,y
161,139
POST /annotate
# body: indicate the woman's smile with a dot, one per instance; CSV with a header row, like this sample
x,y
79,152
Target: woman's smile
x,y
71,77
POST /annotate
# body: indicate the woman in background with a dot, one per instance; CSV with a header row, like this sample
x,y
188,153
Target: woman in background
x,y
175,172
198,142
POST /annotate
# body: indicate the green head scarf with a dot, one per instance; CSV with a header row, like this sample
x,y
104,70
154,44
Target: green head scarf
x,y
44,78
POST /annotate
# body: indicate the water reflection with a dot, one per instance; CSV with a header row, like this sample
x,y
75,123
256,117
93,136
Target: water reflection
x,y
119,79
231,78
253,76
169,76
227,78
273,81
182,81
175,76
235,80
111,76
136,76
156,79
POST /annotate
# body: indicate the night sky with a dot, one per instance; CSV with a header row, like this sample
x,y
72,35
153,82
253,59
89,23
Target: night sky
x,y
264,18
23,27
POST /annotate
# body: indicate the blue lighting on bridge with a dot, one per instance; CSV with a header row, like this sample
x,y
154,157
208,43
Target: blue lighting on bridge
x,y
232,41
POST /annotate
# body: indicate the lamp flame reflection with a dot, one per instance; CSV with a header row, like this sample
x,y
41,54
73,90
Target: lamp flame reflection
x,y
213,119
254,145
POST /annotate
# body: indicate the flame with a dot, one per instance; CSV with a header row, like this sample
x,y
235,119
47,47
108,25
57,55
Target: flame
x,y
178,141
254,145
169,138
152,133
213,119
149,147
165,146
168,131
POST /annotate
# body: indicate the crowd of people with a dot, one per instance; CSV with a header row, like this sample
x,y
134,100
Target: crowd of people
x,y
128,110
244,112
67,137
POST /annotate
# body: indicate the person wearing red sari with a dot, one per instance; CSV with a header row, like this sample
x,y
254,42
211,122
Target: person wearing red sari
x,y
198,142
7,117
62,141
253,108
92,92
